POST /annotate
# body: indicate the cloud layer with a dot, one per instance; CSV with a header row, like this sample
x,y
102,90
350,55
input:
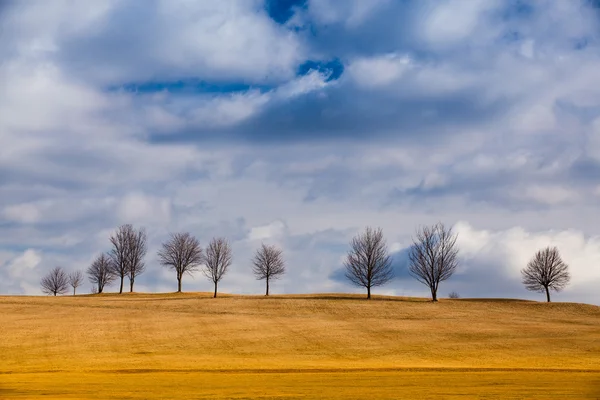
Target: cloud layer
x,y
300,123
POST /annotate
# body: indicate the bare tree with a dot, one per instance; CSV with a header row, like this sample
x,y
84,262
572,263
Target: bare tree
x,y
182,253
137,248
433,257
268,264
101,273
75,280
368,263
454,295
55,282
119,253
546,271
127,254
217,260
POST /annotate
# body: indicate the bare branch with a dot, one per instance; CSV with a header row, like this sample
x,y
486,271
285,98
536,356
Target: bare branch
x,y
268,264
217,260
433,257
75,280
181,253
368,263
55,282
101,272
546,271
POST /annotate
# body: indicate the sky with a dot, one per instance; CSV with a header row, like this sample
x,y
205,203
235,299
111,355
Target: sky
x,y
299,123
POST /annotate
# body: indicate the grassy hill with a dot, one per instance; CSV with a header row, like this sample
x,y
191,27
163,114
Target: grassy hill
x,y
185,345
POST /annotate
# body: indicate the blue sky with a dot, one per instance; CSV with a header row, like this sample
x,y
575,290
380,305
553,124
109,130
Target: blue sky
x,y
299,123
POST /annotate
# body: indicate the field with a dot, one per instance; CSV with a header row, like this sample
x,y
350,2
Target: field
x,y
190,346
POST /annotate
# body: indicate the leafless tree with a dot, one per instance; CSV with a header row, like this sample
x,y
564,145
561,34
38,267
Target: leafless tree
x,y
268,264
454,295
137,247
127,254
546,271
433,257
101,273
75,280
217,260
55,282
182,253
368,263
119,253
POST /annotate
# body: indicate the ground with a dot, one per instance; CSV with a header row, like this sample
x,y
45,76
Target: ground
x,y
190,346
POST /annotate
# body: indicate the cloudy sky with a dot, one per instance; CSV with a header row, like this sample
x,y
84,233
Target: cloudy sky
x,y
300,122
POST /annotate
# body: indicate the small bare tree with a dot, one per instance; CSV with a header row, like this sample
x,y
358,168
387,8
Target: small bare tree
x,y
368,263
454,295
75,280
127,254
546,271
55,282
182,253
217,259
268,264
136,250
101,273
433,257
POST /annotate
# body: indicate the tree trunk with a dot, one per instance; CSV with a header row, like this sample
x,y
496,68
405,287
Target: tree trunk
x,y
368,292
54,293
267,287
121,288
433,295
548,295
100,289
179,285
131,286
215,295
73,291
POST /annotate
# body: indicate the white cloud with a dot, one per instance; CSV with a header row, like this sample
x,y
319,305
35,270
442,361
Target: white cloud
x,y
379,71
449,22
273,230
550,194
352,12
141,208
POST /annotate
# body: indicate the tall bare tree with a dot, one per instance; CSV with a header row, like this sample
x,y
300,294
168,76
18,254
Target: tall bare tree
x,y
268,264
75,280
217,259
127,254
101,273
137,248
368,263
119,253
181,253
55,282
546,271
433,257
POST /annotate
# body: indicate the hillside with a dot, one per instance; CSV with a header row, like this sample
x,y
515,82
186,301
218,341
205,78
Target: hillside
x,y
193,333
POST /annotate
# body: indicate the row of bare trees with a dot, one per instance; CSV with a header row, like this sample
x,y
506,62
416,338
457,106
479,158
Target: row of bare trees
x,y
181,253
432,259
58,281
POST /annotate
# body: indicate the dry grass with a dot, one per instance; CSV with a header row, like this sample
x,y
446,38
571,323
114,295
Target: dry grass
x,y
300,346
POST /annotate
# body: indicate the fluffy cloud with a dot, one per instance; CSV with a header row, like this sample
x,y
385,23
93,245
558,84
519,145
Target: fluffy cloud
x,y
222,120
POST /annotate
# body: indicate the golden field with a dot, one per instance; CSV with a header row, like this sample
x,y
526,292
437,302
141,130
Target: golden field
x,y
191,346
